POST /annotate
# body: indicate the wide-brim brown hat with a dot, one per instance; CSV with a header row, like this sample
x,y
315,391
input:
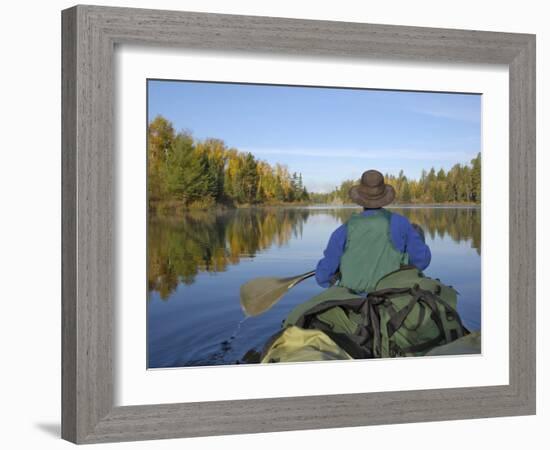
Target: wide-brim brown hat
x,y
372,192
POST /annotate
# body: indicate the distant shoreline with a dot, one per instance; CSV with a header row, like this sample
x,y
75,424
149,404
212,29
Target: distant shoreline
x,y
435,205
176,209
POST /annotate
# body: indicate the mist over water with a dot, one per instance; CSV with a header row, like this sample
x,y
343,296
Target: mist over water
x,y
197,263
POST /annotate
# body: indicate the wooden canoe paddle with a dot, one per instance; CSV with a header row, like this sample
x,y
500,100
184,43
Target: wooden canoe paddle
x,y
260,294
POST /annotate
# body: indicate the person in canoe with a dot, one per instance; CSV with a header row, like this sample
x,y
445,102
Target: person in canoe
x,y
373,243
377,302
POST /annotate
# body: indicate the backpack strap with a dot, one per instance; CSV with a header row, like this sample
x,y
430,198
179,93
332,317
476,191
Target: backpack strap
x,y
355,350
397,318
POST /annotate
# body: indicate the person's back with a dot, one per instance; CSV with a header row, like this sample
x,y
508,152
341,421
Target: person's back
x,y
371,244
369,253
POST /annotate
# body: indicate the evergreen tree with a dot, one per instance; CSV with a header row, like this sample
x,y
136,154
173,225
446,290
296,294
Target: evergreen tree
x,y
248,179
182,177
406,192
476,178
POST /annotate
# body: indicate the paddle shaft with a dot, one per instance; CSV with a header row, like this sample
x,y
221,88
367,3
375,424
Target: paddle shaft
x,y
300,278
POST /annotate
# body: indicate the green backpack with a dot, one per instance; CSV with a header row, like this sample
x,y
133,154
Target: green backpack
x,y
408,314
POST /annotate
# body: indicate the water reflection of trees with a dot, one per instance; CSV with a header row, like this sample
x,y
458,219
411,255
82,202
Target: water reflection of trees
x,y
203,241
461,224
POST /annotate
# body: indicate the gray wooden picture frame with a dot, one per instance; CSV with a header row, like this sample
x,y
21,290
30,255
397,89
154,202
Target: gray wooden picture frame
x,y
90,34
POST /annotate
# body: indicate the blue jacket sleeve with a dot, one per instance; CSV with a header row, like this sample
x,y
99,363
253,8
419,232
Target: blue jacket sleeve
x,y
419,252
328,266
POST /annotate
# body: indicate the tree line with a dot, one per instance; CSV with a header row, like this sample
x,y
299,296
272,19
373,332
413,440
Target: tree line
x,y
184,172
460,184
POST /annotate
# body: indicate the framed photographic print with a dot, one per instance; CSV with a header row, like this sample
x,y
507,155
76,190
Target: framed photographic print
x,y
255,207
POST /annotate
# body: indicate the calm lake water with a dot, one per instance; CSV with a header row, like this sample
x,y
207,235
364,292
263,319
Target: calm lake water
x,y
198,262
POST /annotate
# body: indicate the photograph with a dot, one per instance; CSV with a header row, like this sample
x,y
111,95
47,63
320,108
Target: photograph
x,y
302,222
259,225
294,224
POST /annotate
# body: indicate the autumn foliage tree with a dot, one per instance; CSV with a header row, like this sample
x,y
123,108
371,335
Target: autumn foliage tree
x,y
184,171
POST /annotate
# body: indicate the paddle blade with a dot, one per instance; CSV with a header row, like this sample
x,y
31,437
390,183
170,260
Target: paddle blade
x,y
260,294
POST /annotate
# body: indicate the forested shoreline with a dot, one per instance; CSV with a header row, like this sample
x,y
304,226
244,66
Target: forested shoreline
x,y
185,173
189,174
460,185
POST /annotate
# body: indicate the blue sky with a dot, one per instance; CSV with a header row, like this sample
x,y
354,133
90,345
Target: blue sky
x,y
328,135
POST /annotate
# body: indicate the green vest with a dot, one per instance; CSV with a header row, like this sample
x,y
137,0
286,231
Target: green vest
x,y
369,253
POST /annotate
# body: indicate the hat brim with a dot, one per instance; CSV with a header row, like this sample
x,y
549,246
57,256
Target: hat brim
x,y
360,196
